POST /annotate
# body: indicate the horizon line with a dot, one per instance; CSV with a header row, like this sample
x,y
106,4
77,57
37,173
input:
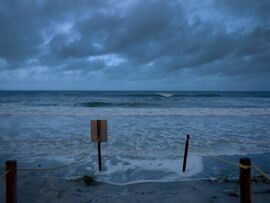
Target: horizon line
x,y
108,90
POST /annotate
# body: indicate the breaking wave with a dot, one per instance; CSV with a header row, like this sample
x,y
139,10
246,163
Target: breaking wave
x,y
165,94
115,104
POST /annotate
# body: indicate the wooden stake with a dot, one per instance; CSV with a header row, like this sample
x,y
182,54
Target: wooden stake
x,y
245,182
99,145
11,181
186,153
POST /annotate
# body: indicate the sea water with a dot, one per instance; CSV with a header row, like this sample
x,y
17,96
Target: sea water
x,y
146,132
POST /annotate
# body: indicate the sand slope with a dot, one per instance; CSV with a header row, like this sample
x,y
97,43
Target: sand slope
x,y
37,189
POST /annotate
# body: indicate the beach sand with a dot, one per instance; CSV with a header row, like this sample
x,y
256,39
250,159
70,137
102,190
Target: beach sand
x,y
35,188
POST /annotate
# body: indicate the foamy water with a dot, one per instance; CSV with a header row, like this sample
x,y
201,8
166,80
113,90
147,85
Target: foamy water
x,y
146,131
111,112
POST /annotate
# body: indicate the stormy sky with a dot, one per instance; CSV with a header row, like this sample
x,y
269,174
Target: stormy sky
x,y
135,45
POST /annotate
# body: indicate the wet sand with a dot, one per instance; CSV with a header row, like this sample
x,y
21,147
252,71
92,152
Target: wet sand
x,y
38,189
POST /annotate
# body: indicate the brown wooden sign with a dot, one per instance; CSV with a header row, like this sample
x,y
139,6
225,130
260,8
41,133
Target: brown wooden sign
x,y
99,130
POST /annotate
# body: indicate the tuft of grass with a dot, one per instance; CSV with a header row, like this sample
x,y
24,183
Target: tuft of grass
x,y
260,179
227,177
89,180
224,176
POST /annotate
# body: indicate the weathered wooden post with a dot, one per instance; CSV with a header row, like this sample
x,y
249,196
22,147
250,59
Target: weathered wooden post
x,y
11,181
245,182
99,144
99,134
186,153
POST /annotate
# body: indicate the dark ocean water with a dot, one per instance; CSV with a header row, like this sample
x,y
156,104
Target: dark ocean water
x,y
133,99
146,130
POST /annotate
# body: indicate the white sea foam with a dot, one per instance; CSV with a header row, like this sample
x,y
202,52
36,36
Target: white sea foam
x,y
138,170
107,112
146,132
165,94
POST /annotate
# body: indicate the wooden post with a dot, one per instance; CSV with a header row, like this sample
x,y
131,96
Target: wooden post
x,y
11,181
245,182
186,153
99,145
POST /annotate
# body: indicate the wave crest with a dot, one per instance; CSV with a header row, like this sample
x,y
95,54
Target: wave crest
x,y
115,104
165,94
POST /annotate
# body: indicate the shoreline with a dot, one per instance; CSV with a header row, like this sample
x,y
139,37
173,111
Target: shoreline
x,y
39,189
210,169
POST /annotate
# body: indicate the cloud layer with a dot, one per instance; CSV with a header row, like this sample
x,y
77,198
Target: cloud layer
x,y
155,44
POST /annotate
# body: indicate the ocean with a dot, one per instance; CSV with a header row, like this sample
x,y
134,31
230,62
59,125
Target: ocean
x,y
146,132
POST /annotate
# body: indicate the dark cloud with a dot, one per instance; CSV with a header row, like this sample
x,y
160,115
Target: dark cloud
x,y
248,8
140,40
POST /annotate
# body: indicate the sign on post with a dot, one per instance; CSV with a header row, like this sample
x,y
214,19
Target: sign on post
x,y
99,131
99,134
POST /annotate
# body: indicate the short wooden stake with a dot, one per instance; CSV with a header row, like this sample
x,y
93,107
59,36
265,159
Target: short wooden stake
x,y
99,145
11,181
186,153
245,181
